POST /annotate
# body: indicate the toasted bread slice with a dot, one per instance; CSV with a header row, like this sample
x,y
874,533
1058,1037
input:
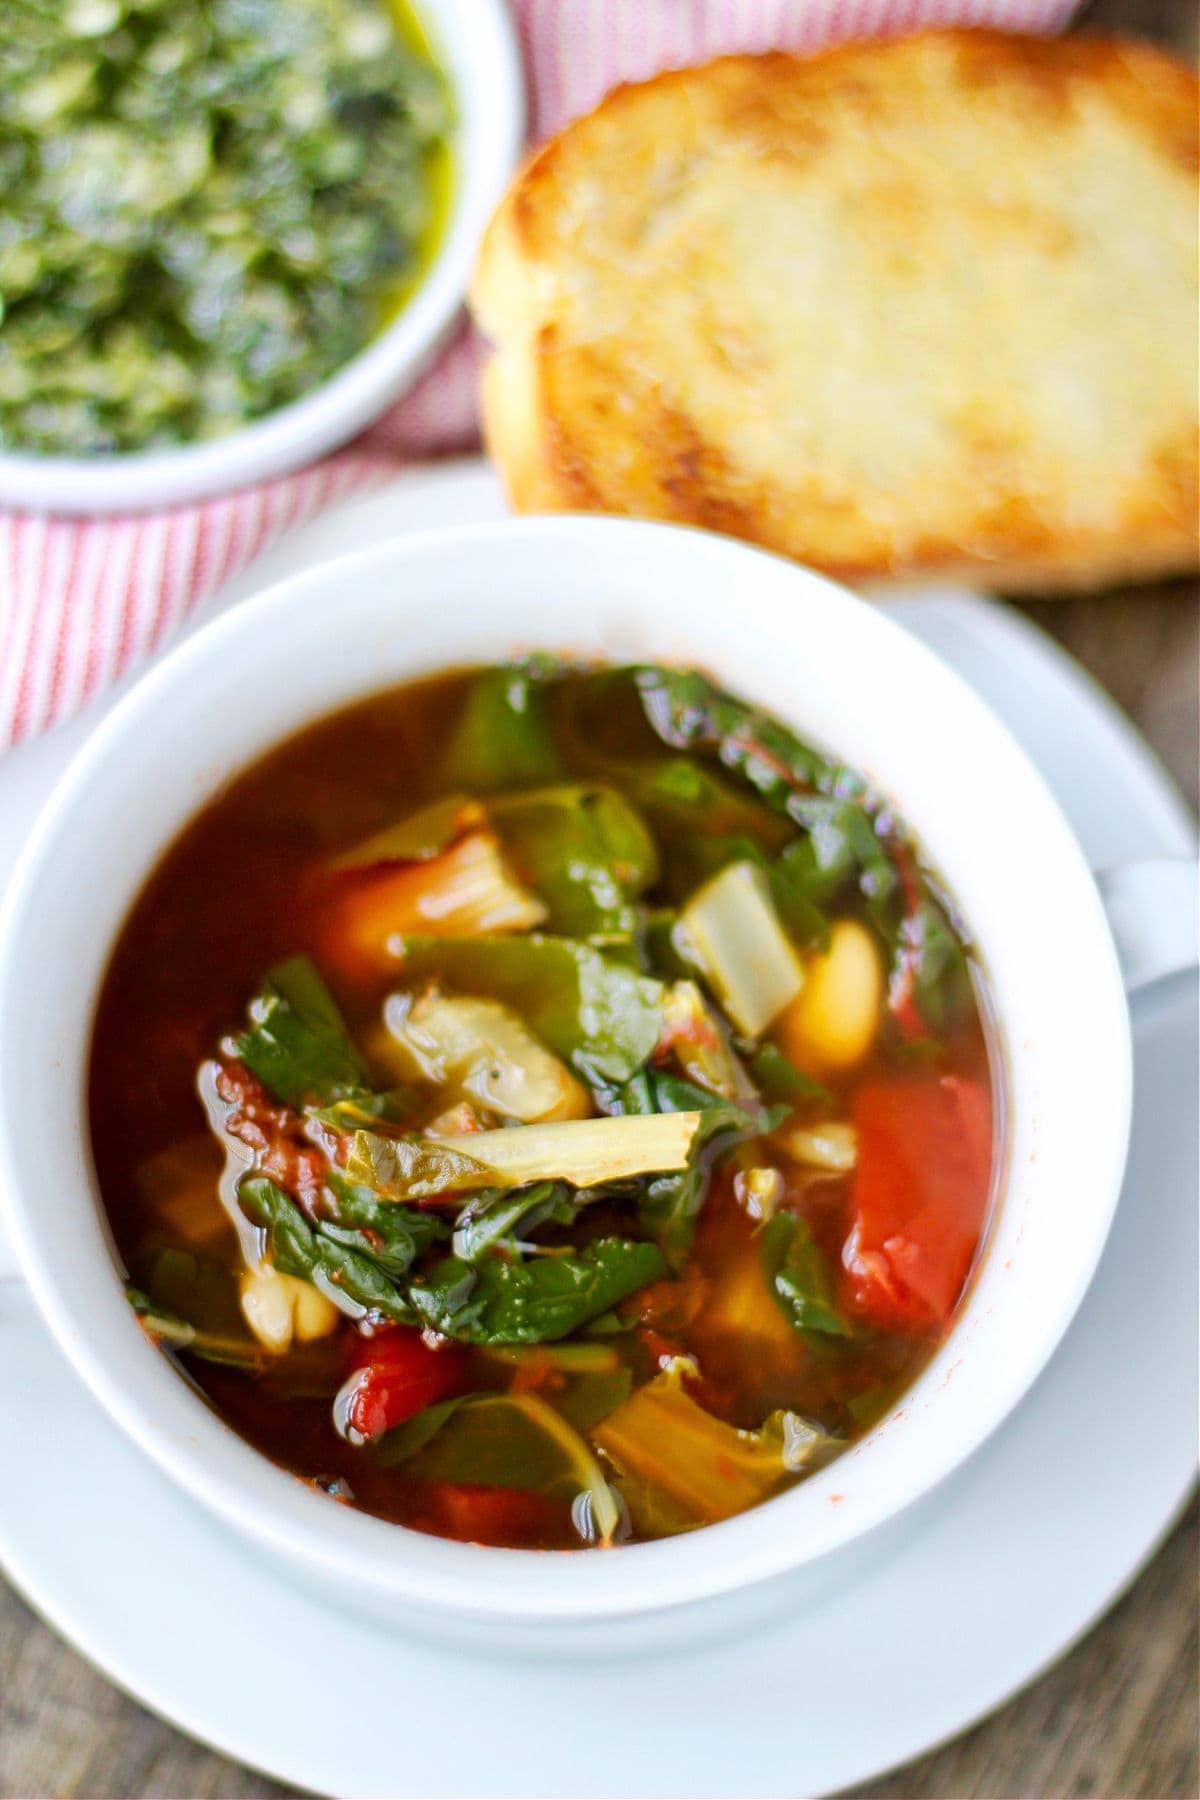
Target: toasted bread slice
x,y
904,308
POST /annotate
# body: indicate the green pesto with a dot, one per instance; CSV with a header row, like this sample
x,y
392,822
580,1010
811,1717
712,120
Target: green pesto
x,y
207,207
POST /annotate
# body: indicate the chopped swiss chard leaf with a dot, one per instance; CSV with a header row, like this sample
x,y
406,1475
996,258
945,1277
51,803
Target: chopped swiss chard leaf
x,y
778,1078
584,851
687,712
391,1235
501,739
297,1042
491,1218
343,1274
798,1276
499,1301
941,977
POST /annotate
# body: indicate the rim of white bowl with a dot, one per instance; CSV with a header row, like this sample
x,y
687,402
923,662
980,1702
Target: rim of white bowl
x,y
195,1448
475,42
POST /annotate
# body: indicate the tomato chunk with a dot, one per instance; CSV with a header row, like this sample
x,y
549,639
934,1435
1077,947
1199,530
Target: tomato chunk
x,y
396,1375
919,1198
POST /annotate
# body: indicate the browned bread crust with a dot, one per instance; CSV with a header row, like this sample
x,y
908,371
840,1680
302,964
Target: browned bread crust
x,y
914,307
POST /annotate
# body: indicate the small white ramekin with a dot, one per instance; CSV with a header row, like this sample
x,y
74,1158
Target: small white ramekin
x,y
474,41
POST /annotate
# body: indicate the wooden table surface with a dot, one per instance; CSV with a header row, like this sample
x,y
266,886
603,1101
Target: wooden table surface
x,y
1118,1718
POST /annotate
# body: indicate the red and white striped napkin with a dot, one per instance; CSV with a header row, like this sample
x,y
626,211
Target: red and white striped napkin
x,y
81,600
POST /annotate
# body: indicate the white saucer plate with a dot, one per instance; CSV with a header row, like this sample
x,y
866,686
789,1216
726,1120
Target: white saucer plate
x,y
958,1604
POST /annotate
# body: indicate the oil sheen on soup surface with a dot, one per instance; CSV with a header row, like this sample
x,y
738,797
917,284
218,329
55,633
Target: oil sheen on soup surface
x,y
546,1107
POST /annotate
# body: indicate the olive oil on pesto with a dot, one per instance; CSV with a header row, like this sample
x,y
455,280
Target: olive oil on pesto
x,y
207,207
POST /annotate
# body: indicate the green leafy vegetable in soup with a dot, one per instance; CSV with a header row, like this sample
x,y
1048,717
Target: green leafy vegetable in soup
x,y
600,1102
206,208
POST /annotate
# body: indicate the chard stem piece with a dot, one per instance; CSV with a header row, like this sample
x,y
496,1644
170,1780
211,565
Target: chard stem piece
x,y
734,931
584,1152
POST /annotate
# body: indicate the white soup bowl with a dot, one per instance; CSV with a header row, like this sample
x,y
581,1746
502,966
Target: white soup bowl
x,y
831,666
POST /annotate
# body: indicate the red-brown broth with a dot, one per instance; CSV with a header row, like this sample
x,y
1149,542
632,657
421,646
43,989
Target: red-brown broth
x,y
234,895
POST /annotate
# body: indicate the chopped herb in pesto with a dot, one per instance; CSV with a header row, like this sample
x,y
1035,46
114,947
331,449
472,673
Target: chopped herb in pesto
x,y
206,208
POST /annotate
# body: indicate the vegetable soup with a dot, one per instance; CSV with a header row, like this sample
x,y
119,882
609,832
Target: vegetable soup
x,y
546,1106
